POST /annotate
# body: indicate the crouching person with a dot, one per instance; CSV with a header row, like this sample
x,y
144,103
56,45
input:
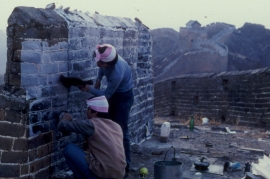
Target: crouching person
x,y
106,158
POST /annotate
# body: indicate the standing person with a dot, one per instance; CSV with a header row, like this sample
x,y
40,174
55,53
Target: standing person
x,y
106,158
118,91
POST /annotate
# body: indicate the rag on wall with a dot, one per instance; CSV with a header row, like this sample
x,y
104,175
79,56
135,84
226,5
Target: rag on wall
x,y
72,81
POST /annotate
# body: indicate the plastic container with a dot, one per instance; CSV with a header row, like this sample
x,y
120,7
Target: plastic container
x,y
197,175
165,132
235,166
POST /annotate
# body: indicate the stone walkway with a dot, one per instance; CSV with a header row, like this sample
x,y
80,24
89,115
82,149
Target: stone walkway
x,y
211,141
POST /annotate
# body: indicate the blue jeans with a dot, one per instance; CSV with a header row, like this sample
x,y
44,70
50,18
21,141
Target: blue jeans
x,y
120,104
74,156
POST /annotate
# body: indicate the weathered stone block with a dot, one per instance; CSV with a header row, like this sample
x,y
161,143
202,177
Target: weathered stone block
x,y
38,129
63,67
12,130
60,100
17,104
42,80
33,92
6,143
52,44
32,155
48,91
13,116
129,42
40,105
32,45
59,56
42,139
75,44
39,164
20,144
40,33
12,79
29,80
45,150
9,170
2,114
10,31
88,42
24,169
131,34
30,56
14,157
34,117
79,54
81,65
28,68
48,68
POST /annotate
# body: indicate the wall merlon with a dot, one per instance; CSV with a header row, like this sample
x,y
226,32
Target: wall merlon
x,y
42,44
23,16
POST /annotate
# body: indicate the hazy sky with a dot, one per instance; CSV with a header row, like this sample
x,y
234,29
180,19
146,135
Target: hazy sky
x,y
161,13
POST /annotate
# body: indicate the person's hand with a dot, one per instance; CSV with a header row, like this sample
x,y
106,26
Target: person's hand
x,y
97,84
67,117
84,88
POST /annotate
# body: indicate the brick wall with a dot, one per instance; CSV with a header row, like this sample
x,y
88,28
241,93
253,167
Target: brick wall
x,y
240,97
42,44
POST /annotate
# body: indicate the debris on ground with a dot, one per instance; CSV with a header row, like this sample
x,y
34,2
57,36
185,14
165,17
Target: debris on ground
x,y
246,145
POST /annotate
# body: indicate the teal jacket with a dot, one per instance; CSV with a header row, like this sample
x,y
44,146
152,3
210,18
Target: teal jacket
x,y
119,79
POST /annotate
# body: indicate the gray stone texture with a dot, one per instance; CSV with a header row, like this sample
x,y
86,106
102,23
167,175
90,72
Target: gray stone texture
x,y
42,44
229,97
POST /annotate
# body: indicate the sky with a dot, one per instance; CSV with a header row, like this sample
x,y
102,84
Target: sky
x,y
160,13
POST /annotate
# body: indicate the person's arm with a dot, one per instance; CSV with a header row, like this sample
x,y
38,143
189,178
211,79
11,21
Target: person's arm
x,y
100,74
113,84
85,127
97,84
99,78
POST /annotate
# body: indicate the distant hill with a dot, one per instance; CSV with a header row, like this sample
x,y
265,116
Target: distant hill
x,y
214,48
165,42
249,47
3,51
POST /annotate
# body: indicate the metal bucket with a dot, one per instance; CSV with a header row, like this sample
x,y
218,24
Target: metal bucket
x,y
168,169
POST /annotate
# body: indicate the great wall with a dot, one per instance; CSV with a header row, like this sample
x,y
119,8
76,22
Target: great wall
x,y
44,43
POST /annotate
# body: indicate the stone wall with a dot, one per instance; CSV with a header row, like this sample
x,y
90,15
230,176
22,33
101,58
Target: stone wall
x,y
187,36
240,97
42,44
193,62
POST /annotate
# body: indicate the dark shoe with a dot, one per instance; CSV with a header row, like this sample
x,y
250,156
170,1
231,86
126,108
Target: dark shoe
x,y
126,174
